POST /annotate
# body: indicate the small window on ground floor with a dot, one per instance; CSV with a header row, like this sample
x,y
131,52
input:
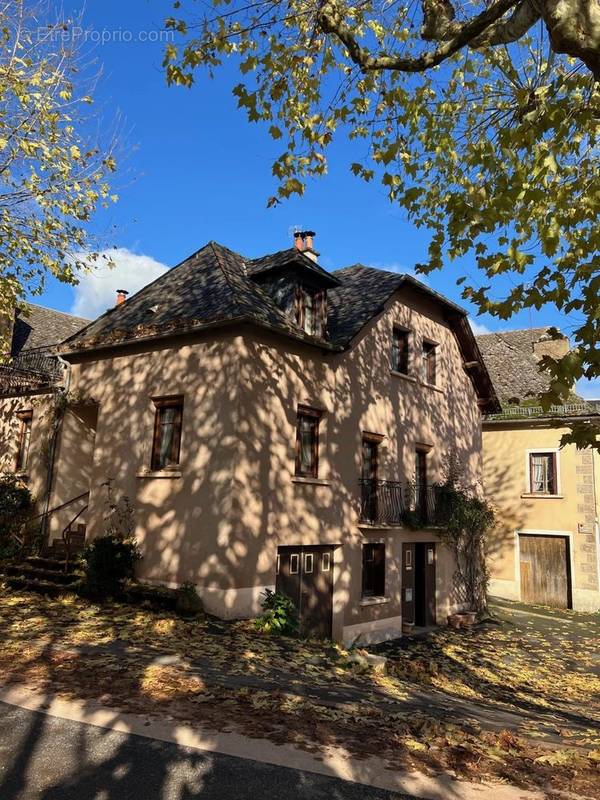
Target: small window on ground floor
x,y
373,570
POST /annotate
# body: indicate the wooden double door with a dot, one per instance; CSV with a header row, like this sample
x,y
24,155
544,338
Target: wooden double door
x,y
545,572
305,575
418,583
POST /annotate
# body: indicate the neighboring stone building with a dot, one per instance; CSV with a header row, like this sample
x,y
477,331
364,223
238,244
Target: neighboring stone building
x,y
545,548
275,425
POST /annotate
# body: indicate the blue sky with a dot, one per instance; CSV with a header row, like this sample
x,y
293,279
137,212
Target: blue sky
x,y
192,169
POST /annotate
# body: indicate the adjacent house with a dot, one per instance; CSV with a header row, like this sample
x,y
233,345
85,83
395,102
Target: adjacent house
x,y
275,425
546,546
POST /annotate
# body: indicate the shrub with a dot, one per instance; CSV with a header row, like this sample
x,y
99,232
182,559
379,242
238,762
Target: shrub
x,y
279,615
15,506
188,603
107,562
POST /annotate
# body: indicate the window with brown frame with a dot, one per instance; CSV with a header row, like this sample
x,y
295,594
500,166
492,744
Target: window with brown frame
x,y
429,363
400,350
307,442
373,569
25,418
543,473
311,311
167,432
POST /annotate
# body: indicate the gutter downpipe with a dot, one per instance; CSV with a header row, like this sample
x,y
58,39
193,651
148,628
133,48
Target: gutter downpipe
x,y
64,391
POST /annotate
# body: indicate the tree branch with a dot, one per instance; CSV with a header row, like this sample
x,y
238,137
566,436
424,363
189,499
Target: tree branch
x,y
510,30
331,21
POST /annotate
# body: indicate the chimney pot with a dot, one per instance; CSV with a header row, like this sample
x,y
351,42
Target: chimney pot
x,y
308,239
298,241
121,296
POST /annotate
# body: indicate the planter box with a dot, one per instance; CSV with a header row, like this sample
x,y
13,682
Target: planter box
x,y
463,620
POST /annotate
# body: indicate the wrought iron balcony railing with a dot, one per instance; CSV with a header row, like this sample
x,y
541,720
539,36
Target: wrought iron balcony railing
x,y
403,504
31,369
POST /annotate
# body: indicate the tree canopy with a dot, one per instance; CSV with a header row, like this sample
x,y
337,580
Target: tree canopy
x,y
52,178
481,120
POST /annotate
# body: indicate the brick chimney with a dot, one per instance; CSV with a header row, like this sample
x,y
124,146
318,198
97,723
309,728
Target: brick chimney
x,y
547,346
121,296
303,241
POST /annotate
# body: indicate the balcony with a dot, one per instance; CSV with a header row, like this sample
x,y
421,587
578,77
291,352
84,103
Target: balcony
x,y
31,370
401,504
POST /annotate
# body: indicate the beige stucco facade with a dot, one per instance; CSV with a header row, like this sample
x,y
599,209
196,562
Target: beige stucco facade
x,y
218,518
572,512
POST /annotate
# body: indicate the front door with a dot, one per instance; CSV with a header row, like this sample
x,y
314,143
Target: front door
x,y
408,582
305,575
418,583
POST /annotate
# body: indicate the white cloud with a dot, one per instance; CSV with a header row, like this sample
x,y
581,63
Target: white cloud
x,y
96,290
590,390
478,328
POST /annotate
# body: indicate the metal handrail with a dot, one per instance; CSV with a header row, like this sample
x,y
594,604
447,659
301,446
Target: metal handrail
x,y
567,409
66,535
20,539
31,369
399,503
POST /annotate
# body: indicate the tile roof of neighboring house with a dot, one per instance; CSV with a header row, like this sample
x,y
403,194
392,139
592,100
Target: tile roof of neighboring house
x,y
513,367
215,286
36,326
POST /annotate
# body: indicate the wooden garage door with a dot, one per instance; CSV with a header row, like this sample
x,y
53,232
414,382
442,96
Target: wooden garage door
x,y
545,576
305,575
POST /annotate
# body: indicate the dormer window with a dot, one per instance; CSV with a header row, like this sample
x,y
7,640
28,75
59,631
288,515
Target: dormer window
x,y
311,311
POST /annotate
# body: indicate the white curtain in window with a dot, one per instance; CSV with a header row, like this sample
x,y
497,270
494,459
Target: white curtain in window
x,y
539,473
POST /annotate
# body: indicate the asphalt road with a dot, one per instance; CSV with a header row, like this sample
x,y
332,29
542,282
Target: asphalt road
x,y
45,758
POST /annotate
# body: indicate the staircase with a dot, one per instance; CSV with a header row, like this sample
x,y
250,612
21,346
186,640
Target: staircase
x,y
45,575
70,544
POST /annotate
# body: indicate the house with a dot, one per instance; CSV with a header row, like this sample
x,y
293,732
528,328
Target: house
x,y
545,548
275,425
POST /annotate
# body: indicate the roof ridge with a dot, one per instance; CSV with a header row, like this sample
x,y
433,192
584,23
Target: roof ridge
x,y
55,311
516,330
218,257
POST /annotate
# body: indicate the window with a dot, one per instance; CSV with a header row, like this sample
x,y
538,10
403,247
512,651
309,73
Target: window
x,y
294,563
429,363
25,418
373,575
311,311
370,457
400,345
167,432
326,562
307,442
370,469
421,483
543,473
308,562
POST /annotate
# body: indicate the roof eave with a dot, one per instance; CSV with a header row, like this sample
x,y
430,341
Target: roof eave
x,y
321,344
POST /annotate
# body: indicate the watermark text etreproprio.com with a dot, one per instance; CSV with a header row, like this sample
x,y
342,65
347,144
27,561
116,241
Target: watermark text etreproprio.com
x,y
64,34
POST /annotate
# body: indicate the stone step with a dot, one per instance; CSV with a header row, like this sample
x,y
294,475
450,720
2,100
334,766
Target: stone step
x,y
45,562
41,587
40,574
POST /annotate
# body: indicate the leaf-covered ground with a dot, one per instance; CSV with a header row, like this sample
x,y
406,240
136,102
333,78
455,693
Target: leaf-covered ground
x,y
515,701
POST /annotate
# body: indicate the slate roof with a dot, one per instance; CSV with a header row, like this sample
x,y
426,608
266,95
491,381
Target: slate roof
x,y
37,326
211,286
512,364
216,286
